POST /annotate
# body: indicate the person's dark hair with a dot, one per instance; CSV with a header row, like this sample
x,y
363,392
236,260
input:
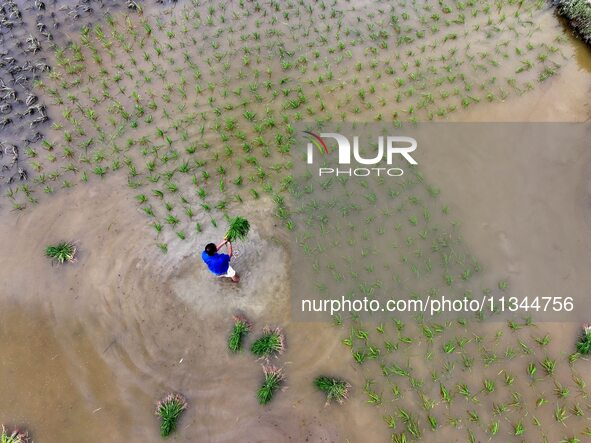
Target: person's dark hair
x,y
211,249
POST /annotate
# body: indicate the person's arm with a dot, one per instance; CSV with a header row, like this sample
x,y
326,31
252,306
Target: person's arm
x,y
218,247
229,248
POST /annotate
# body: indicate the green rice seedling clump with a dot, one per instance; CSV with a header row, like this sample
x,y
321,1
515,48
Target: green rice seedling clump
x,y
169,409
272,342
15,436
239,331
61,252
239,228
335,389
584,343
273,379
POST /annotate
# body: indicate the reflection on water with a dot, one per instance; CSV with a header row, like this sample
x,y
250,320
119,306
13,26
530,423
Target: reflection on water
x,y
582,54
581,50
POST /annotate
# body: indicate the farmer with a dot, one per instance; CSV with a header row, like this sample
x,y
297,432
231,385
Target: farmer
x,y
219,264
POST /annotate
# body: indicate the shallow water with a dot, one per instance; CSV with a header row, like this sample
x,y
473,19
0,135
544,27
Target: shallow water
x,y
89,347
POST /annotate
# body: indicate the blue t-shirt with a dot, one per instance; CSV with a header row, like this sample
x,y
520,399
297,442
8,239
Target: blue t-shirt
x,y
217,263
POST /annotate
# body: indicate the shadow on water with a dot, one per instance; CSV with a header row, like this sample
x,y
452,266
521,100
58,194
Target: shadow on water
x,y
582,51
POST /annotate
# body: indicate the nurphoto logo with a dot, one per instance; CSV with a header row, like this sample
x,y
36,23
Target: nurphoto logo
x,y
390,147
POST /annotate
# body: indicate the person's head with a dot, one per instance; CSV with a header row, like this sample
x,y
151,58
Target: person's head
x,y
211,249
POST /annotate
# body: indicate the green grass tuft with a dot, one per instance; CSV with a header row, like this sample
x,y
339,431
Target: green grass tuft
x,y
578,12
239,228
240,329
61,252
335,389
273,379
270,343
169,410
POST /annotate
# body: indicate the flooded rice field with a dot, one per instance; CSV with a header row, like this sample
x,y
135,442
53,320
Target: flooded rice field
x,y
134,128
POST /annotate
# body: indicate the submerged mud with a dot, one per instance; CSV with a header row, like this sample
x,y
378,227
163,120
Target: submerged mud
x,y
89,347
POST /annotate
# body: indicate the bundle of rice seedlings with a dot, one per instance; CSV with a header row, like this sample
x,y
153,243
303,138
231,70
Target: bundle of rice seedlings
x,y
240,329
272,342
335,388
273,379
238,230
61,252
169,410
15,436
584,343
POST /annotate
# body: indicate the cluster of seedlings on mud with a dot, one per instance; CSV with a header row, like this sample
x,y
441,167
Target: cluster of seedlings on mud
x,y
584,343
336,389
61,252
271,343
14,436
169,409
239,332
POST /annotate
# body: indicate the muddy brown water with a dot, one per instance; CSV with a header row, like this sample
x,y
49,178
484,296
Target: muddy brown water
x,y
88,348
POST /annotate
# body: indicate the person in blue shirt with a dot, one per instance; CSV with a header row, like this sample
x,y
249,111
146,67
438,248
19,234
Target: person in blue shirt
x,y
219,264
